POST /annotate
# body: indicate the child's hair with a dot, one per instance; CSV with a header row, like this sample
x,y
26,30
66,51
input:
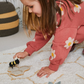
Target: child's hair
x,y
47,22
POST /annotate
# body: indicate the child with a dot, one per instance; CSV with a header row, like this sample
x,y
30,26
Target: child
x,y
62,18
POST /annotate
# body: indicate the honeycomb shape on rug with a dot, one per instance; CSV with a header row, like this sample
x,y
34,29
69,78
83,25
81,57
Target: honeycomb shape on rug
x,y
12,69
18,71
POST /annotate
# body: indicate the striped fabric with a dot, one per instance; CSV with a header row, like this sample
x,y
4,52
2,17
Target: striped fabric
x,y
9,21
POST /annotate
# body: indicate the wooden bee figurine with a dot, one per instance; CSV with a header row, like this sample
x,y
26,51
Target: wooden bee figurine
x,y
13,63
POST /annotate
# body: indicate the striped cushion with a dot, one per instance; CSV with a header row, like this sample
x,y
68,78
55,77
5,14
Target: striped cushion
x,y
9,21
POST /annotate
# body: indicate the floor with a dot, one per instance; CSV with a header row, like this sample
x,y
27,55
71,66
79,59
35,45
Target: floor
x,y
71,71
15,40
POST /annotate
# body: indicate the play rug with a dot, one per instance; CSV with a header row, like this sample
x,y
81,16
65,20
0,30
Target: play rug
x,y
70,72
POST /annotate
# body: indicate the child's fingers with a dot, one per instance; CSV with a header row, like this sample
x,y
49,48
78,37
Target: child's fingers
x,y
41,73
48,75
14,56
42,68
20,57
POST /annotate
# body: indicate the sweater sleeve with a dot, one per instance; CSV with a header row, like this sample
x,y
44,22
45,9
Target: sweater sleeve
x,y
62,44
38,42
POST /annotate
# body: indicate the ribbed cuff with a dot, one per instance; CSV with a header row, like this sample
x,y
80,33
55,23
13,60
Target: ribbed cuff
x,y
30,50
53,67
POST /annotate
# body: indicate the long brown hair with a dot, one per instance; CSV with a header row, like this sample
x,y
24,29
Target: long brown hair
x,y
47,22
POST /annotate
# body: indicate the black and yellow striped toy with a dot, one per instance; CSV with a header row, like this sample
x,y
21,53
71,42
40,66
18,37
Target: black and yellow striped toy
x,y
9,20
13,63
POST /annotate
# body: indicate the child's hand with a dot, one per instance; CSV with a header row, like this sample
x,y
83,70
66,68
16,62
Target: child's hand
x,y
20,55
45,71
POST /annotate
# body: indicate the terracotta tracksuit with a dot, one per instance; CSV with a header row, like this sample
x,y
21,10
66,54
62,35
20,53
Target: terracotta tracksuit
x,y
69,32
